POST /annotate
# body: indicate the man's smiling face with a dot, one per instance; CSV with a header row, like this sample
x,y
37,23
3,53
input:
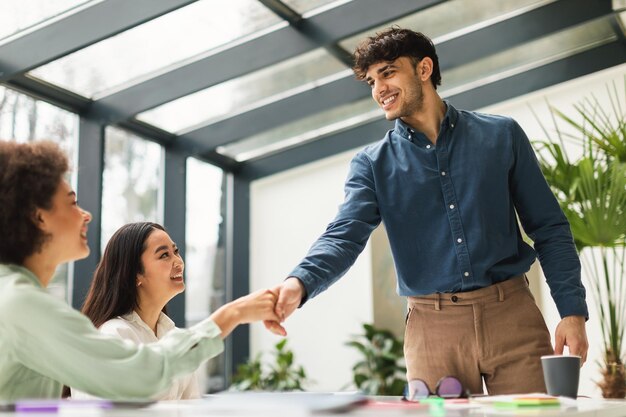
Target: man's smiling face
x,y
396,87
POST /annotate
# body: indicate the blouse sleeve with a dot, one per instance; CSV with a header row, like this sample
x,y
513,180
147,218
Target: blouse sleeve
x,y
53,339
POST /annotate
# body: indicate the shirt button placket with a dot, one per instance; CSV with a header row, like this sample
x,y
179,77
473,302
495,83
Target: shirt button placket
x,y
453,215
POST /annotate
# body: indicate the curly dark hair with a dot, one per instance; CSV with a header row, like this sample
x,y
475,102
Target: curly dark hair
x,y
392,44
30,174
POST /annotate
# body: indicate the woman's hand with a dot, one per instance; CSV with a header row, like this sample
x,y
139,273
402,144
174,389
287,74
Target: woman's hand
x,y
253,307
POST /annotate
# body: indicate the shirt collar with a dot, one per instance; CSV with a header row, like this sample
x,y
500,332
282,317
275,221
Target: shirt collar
x,y
449,120
164,323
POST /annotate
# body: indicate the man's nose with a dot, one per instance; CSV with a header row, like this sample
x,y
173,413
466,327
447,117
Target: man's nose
x,y
380,88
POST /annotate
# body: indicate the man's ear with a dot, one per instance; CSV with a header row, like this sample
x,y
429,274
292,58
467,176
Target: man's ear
x,y
425,68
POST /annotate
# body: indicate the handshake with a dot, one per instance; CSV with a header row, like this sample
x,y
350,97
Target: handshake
x,y
272,306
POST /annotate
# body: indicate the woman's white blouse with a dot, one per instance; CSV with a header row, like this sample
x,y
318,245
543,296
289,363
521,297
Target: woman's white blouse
x,y
132,327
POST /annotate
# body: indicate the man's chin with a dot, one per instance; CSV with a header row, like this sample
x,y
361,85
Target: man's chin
x,y
391,116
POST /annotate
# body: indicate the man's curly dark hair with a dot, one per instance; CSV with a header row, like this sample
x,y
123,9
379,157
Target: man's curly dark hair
x,y
392,44
30,174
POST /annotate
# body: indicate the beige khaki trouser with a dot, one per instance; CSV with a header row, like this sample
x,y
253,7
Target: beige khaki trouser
x,y
496,333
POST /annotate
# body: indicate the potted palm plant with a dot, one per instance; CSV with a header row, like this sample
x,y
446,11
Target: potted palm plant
x,y
592,192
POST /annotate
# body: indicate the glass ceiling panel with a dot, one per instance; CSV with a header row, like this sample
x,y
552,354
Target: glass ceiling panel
x,y
156,45
306,7
453,18
243,93
18,15
483,71
303,130
526,57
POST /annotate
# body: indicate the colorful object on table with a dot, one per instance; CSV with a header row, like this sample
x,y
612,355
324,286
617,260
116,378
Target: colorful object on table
x,y
54,406
527,401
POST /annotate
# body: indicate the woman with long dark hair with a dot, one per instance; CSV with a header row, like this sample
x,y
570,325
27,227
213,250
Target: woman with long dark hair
x,y
141,270
44,343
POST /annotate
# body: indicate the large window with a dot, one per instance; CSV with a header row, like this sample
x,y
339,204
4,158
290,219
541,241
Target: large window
x,y
204,253
24,119
131,182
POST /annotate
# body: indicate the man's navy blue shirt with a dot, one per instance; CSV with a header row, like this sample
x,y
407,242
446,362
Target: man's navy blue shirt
x,y
450,213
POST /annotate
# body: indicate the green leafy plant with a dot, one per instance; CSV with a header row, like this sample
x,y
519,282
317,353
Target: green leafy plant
x,y
381,371
592,194
282,375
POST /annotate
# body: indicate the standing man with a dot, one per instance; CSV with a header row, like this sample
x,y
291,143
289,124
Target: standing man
x,y
450,185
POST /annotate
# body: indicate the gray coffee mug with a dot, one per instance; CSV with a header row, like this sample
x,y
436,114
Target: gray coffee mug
x,y
561,374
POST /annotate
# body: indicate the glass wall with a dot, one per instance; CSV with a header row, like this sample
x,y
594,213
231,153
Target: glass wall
x,y
204,253
24,119
132,182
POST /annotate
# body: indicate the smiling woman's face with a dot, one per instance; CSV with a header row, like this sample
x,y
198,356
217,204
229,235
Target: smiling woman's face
x,y
163,267
66,223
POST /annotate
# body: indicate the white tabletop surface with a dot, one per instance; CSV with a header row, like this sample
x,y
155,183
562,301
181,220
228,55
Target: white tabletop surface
x,y
246,406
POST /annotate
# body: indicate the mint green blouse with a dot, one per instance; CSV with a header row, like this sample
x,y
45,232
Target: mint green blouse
x,y
45,344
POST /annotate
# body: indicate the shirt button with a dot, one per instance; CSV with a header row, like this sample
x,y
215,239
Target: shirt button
x,y
454,298
466,274
451,206
427,146
451,124
443,173
410,137
459,240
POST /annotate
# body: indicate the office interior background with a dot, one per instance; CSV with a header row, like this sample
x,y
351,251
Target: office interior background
x,y
233,122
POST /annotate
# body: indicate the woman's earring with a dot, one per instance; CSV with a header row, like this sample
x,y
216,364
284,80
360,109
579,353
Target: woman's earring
x,y
138,283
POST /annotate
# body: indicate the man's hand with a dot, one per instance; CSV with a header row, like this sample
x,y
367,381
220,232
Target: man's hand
x,y
571,332
290,294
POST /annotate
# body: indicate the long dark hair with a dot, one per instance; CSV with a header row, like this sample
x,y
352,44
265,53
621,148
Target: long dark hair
x,y
113,290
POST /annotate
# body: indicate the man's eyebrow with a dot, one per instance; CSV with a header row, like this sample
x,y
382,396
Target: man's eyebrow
x,y
380,70
385,68
72,193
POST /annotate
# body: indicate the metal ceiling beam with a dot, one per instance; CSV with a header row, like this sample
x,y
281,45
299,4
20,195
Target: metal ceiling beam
x,y
455,52
48,92
322,97
566,69
534,24
271,48
584,63
78,104
78,30
283,10
297,21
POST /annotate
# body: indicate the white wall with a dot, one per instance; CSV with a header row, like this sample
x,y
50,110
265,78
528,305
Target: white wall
x,y
290,210
288,213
